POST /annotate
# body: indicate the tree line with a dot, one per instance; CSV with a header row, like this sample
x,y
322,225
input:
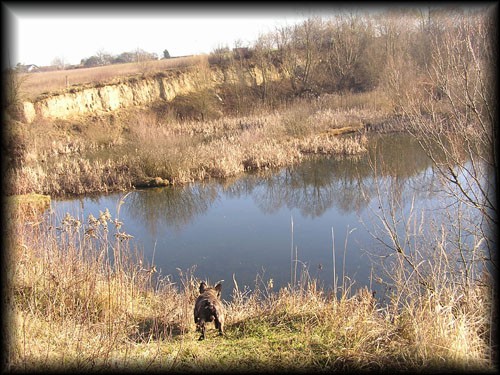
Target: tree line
x,y
358,51
103,58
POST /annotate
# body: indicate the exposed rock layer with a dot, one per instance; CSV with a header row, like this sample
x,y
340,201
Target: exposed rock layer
x,y
128,92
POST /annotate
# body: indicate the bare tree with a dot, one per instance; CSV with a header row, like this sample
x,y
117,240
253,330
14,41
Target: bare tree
x,y
103,57
287,54
299,52
346,35
262,53
453,116
13,93
143,60
309,37
58,62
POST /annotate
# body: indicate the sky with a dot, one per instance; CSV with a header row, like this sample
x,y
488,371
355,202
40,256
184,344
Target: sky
x,y
37,34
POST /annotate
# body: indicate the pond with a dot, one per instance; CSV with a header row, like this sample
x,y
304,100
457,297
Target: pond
x,y
272,226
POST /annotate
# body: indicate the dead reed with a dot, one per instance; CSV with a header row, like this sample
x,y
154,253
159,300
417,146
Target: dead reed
x,y
81,297
64,157
70,177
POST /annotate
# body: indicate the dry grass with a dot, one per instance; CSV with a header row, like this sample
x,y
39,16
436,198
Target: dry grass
x,y
81,298
62,157
71,176
34,84
183,151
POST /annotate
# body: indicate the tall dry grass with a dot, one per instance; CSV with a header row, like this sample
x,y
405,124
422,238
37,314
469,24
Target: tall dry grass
x,y
62,157
184,151
70,177
81,297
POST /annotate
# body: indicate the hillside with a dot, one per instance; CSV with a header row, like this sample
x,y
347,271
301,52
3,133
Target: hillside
x,y
41,83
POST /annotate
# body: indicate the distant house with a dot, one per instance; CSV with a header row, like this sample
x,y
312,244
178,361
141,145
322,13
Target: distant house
x,y
27,68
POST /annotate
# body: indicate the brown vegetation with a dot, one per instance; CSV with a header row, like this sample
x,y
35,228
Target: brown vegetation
x,y
83,299
72,307
158,144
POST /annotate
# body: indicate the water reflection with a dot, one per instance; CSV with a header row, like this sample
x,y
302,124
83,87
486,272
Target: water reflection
x,y
174,207
313,187
241,226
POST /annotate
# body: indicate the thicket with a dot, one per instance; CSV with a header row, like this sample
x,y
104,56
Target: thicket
x,y
399,50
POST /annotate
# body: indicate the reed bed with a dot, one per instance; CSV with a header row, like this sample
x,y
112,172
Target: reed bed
x,y
81,297
67,158
71,177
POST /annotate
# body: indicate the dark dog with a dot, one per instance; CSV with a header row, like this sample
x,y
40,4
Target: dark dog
x,y
208,307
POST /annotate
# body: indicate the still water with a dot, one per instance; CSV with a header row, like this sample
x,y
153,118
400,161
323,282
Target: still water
x,y
275,224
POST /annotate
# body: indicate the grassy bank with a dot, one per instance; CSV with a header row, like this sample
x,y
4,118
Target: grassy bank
x,y
119,152
72,307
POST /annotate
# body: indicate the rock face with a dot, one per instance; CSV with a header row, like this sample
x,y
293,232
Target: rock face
x,y
125,93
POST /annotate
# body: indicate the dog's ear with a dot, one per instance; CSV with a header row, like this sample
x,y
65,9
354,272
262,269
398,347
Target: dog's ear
x,y
203,286
218,288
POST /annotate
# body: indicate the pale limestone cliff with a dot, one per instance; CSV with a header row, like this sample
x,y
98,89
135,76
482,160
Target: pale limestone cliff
x,y
127,93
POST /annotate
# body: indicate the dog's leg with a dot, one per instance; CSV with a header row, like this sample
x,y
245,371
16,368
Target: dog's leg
x,y
202,328
218,325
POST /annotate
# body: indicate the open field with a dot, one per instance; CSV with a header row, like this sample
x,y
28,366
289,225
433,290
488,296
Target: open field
x,y
34,84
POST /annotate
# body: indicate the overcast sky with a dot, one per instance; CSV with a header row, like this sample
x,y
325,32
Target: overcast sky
x,y
38,33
